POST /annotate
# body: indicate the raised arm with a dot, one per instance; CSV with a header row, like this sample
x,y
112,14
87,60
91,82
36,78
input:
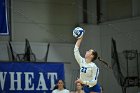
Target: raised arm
x,y
76,50
78,42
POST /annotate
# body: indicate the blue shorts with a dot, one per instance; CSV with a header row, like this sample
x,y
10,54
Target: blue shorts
x,y
95,88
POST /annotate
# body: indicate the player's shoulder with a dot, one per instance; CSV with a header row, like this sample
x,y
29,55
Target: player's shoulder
x,y
93,64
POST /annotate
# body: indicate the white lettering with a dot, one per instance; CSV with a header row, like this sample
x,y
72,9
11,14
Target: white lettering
x,y
41,83
28,81
2,79
18,82
13,80
52,76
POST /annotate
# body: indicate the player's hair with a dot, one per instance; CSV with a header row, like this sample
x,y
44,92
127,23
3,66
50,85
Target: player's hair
x,y
104,62
95,55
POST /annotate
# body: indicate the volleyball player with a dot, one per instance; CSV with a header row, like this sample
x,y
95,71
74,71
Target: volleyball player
x,y
88,70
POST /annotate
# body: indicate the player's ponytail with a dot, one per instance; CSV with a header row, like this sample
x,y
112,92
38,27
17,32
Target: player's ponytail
x,y
104,62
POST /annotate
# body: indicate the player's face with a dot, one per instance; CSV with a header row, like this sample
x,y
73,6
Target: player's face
x,y
60,84
89,54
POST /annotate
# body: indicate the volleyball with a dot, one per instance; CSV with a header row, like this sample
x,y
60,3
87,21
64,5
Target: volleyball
x,y
78,32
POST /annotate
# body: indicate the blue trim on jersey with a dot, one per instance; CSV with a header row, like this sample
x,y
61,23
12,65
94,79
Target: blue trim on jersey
x,y
97,72
95,88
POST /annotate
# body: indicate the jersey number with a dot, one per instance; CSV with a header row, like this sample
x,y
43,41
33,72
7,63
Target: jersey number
x,y
83,69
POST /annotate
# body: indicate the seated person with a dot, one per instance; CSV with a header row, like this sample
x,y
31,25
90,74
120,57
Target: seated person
x,y
60,87
79,88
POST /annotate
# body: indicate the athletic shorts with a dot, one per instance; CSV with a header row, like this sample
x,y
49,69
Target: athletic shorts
x,y
95,88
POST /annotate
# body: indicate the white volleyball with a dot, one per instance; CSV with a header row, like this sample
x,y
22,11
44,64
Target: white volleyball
x,y
78,32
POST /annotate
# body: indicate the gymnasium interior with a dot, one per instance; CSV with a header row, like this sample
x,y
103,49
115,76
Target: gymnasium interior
x,y
37,43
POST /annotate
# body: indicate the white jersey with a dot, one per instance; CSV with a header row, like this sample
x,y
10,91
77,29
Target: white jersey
x,y
60,91
88,71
